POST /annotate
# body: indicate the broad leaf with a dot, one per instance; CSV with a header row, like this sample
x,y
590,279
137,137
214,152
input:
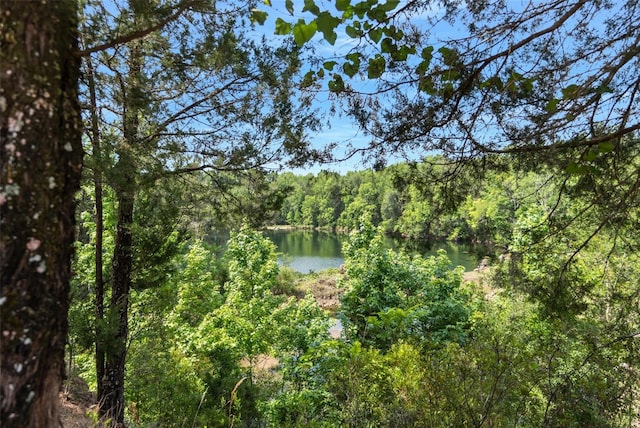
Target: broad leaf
x,y
376,67
282,27
343,5
328,65
337,84
552,105
303,32
311,6
606,147
327,24
389,5
375,35
258,16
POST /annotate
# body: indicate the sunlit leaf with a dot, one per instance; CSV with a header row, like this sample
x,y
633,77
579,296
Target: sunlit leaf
x,y
303,32
282,27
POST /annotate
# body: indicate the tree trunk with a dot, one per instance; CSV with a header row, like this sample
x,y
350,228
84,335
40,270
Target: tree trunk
x,y
125,188
112,401
97,182
40,165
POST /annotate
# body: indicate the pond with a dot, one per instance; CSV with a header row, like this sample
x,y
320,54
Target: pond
x,y
312,251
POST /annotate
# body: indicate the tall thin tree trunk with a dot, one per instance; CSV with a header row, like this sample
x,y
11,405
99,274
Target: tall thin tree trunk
x,y
97,183
112,402
40,167
125,189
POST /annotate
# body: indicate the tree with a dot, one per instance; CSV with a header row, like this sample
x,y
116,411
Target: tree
x,y
390,296
551,84
183,92
41,162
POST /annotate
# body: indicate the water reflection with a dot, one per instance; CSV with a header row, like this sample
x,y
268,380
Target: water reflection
x,y
312,251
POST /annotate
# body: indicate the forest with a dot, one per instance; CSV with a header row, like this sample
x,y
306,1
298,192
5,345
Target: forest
x,y
133,132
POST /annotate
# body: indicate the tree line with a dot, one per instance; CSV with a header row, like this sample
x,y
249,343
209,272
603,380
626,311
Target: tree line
x,y
413,201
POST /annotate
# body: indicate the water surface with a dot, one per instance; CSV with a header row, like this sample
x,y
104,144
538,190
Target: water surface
x,y
312,251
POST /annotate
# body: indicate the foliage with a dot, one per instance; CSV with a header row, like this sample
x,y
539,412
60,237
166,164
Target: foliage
x,y
391,297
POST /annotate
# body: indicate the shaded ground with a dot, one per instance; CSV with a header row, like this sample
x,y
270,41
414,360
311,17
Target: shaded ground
x,y
77,404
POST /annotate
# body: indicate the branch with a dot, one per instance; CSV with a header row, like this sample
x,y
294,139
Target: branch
x,y
137,34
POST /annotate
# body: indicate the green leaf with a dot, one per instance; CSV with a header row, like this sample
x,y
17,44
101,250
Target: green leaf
x,y
343,5
426,86
352,32
303,32
308,79
606,147
376,67
422,68
337,84
602,89
258,16
389,5
310,6
267,2
377,14
552,105
427,53
288,4
591,155
327,24
282,27
403,53
349,69
328,65
571,92
360,9
450,75
449,56
575,168
375,35
387,45
352,68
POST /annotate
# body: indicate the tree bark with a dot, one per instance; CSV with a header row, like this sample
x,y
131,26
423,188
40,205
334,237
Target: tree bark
x,y
40,167
112,402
